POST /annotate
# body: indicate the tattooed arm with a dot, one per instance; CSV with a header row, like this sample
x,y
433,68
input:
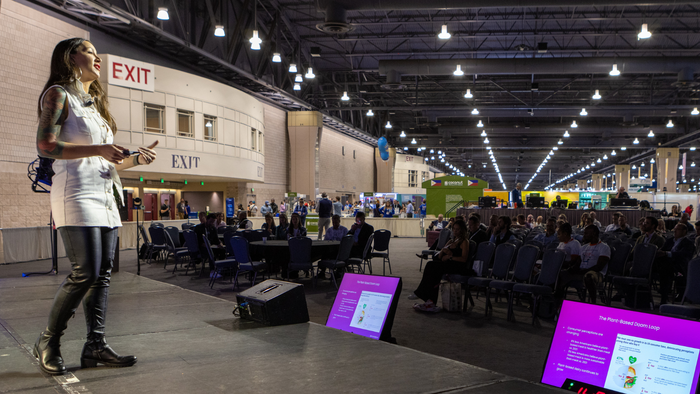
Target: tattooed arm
x,y
50,123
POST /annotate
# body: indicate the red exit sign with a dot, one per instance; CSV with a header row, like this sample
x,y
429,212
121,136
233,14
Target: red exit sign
x,y
130,73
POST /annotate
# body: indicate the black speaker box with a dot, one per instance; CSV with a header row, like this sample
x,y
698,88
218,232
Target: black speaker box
x,y
274,303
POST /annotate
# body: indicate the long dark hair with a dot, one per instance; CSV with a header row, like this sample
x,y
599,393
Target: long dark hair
x,y
64,72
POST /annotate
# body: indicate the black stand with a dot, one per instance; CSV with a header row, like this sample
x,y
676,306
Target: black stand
x,y
54,253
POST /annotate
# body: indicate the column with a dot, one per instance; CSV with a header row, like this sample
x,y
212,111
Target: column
x,y
304,128
597,181
385,171
622,176
667,168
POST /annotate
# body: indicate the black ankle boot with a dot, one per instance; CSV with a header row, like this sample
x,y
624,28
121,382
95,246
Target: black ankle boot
x,y
47,350
98,352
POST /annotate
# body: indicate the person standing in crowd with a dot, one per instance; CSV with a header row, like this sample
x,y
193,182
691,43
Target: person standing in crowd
x,y
325,211
409,209
516,196
73,112
360,232
181,209
282,228
275,209
301,210
423,208
164,211
337,207
266,209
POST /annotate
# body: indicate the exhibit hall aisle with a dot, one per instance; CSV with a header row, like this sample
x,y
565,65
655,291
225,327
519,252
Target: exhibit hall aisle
x,y
187,342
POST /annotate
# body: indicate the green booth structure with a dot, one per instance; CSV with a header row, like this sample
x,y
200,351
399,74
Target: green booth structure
x,y
447,193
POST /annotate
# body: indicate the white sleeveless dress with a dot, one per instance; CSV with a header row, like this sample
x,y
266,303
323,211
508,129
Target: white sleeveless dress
x,y
81,193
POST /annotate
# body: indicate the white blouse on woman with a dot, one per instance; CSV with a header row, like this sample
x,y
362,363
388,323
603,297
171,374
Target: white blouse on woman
x,y
81,193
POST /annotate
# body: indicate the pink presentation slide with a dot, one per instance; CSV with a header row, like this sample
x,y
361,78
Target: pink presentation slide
x,y
623,351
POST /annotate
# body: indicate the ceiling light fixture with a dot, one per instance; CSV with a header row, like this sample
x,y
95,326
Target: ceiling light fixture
x,y
163,14
614,72
645,33
597,95
444,35
458,71
470,95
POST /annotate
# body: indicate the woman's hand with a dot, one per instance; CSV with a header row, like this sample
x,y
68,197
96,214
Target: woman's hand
x,y
112,153
147,155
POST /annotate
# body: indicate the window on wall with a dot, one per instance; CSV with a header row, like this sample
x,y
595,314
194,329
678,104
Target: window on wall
x,y
209,128
412,178
153,118
184,123
253,138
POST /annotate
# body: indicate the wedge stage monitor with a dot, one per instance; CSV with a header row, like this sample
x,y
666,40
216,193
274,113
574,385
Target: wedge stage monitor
x,y
366,305
597,349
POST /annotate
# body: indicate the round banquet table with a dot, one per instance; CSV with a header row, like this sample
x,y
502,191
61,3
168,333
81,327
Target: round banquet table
x,y
276,252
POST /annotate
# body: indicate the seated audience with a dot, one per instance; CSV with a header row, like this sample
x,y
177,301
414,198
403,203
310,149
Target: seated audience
x,y
501,233
438,224
550,233
296,229
336,232
282,228
590,267
615,223
270,230
452,259
361,232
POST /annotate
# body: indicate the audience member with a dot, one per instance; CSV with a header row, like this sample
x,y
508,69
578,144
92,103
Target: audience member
x,y
452,259
296,229
282,228
181,209
550,233
591,267
673,259
623,227
438,224
615,223
269,228
266,209
621,193
476,232
361,232
337,207
301,210
502,233
325,211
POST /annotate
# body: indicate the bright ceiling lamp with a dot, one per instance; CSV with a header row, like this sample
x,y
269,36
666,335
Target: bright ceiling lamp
x,y
613,153
483,132
614,72
636,141
480,124
163,14
444,35
276,58
475,111
413,141
297,86
219,31
255,41
669,124
292,68
310,73
470,95
345,96
560,142
388,124
566,134
370,113
486,141
645,33
458,71
651,134
574,125
693,112
403,135
597,95
298,78
583,112
624,147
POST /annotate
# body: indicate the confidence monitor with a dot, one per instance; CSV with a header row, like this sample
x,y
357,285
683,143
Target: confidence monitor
x,y
597,349
366,305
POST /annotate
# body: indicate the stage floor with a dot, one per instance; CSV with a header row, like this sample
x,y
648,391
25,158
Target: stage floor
x,y
187,342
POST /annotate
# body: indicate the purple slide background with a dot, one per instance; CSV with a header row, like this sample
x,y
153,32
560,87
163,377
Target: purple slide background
x,y
352,282
586,317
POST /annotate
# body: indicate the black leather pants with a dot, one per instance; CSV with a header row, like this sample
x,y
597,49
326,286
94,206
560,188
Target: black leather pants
x,y
91,252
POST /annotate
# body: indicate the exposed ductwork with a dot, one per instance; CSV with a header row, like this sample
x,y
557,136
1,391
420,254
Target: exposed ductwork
x,y
684,66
